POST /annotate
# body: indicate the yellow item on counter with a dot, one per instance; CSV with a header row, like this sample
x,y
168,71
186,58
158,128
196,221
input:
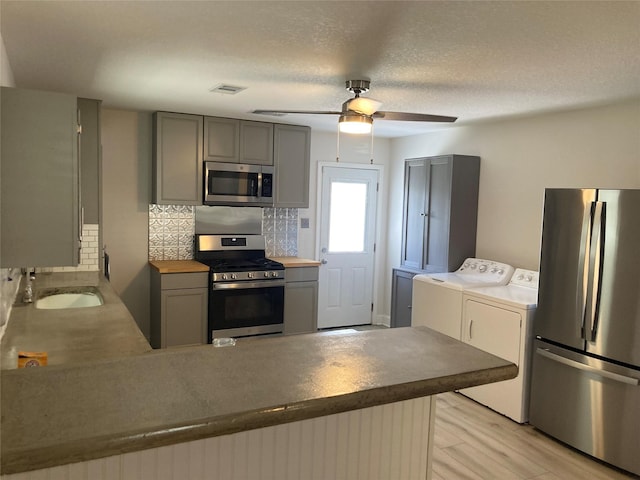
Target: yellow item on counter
x,y
32,359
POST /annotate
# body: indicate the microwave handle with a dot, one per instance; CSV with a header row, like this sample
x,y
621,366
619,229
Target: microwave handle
x,y
259,184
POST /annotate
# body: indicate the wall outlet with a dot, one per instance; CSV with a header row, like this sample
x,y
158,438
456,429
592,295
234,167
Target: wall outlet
x,y
304,222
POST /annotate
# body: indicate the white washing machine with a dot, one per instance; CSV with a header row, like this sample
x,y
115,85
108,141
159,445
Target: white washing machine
x,y
437,297
499,320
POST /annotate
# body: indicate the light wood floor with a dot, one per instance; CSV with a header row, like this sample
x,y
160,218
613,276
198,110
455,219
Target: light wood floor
x,y
472,442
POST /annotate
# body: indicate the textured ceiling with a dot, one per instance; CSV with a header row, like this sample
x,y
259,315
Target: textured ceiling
x,y
474,60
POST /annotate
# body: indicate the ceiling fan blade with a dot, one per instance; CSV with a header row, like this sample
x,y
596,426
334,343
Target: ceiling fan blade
x,y
413,117
364,105
278,113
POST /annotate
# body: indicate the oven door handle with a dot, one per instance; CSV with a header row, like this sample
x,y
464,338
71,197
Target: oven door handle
x,y
244,285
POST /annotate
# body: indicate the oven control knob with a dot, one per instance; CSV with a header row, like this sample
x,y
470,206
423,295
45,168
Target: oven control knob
x,y
251,275
233,276
274,274
266,274
482,268
224,276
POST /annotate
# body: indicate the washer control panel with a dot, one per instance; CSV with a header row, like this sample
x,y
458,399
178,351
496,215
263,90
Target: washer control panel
x,y
486,270
525,278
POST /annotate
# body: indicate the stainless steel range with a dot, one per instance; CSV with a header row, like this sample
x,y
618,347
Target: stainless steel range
x,y
246,294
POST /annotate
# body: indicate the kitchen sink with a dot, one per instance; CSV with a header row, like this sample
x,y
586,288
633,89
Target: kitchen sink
x,y
69,297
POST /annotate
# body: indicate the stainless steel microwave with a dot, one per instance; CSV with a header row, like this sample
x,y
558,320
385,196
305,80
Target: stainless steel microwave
x,y
238,184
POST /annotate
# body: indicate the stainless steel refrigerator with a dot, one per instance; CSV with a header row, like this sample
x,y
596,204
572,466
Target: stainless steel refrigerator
x,y
586,369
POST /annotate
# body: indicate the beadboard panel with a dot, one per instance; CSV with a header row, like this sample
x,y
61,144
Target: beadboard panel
x,y
384,442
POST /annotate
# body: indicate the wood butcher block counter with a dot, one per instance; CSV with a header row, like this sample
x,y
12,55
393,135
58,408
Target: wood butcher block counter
x,y
296,262
191,266
178,266
63,414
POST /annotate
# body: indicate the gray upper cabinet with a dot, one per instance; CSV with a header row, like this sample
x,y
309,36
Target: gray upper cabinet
x,y
39,179
177,159
90,153
229,140
292,163
440,212
256,143
221,139
183,142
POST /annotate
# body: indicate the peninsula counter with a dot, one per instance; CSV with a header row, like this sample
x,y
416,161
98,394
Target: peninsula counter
x,y
277,407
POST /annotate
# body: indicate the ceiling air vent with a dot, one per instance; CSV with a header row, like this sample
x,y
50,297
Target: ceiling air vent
x,y
226,89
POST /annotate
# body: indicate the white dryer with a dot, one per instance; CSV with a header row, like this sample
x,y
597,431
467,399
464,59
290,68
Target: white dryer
x,y
437,297
499,321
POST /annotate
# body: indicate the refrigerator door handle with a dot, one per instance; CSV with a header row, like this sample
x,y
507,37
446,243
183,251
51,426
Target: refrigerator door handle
x,y
587,368
595,269
583,269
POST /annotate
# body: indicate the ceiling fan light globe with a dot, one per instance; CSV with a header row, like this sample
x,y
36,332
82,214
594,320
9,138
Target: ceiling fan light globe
x,y
356,124
363,105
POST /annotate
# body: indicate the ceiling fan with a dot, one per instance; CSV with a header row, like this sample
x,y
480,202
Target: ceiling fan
x,y
357,113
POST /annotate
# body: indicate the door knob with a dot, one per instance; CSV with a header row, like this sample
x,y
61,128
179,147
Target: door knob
x,y
323,261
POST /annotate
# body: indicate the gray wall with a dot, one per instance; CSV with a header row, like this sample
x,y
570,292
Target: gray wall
x,y
8,284
126,186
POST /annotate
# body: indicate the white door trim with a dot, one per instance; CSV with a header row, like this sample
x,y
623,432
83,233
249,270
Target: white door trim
x,y
379,255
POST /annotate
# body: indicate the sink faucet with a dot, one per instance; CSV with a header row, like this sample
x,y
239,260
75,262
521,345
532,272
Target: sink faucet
x,y
28,288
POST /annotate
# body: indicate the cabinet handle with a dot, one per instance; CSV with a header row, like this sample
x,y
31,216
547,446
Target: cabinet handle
x,y
470,327
409,307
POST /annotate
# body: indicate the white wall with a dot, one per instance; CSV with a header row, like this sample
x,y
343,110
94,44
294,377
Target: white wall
x,y
593,147
353,149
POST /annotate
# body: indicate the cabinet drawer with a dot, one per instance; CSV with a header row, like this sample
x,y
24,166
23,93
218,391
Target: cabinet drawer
x,y
301,274
184,280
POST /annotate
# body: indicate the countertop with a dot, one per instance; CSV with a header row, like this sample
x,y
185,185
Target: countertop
x,y
77,335
293,262
178,266
68,413
190,266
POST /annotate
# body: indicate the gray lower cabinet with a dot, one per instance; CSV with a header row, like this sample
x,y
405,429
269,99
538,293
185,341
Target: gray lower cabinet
x,y
440,212
178,309
301,300
40,204
292,164
401,293
177,159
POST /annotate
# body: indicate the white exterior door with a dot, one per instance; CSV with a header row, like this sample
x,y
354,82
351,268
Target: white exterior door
x,y
347,242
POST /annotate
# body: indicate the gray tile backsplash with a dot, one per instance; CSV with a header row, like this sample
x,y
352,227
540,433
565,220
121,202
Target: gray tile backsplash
x,y
172,227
